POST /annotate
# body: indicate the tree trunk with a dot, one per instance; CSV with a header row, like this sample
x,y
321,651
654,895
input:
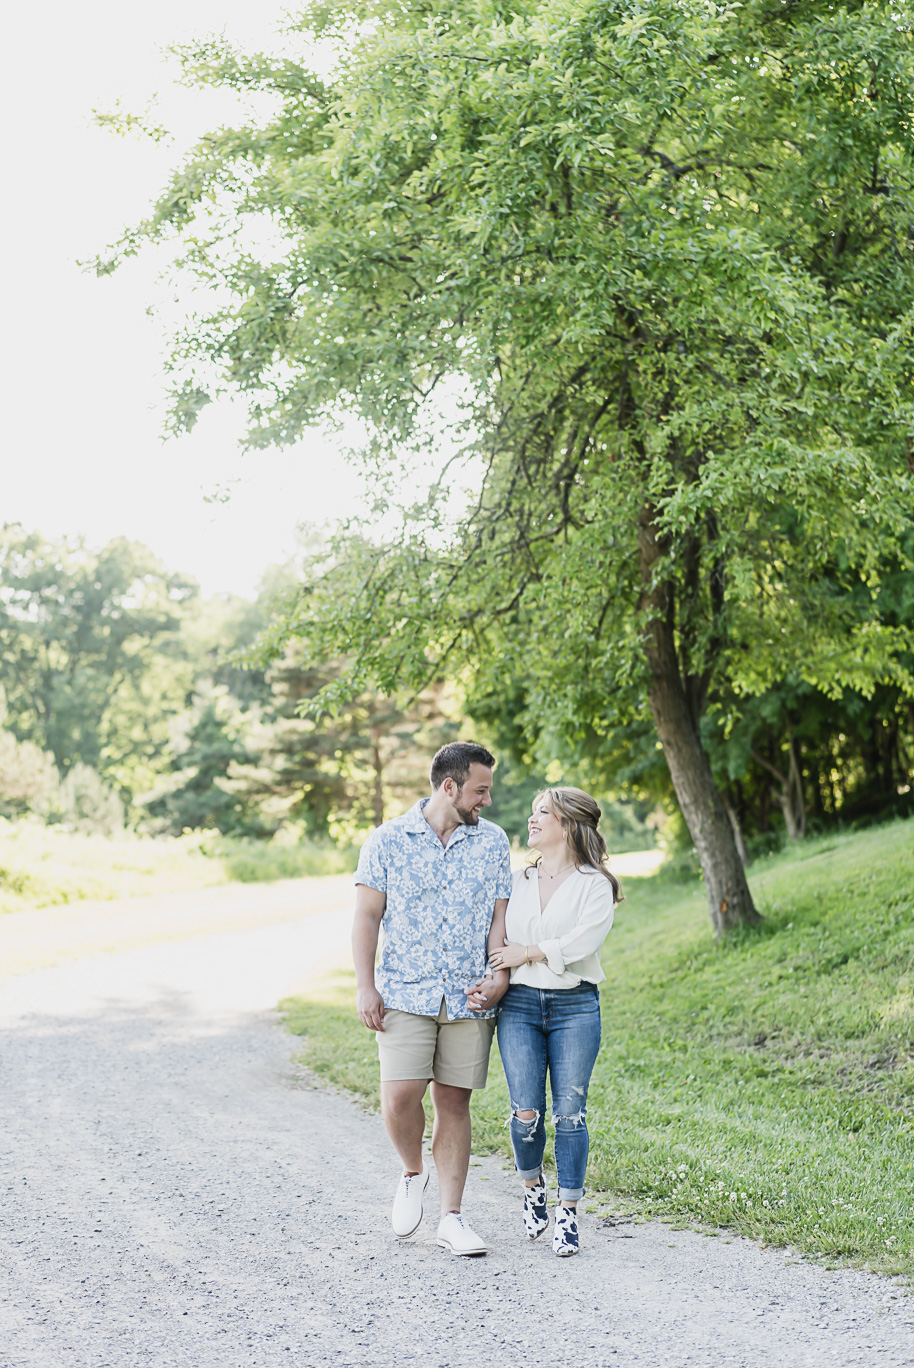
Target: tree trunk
x,y
729,897
733,815
790,796
798,798
764,821
377,764
790,823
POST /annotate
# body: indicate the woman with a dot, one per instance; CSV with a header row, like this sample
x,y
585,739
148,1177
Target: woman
x,y
558,917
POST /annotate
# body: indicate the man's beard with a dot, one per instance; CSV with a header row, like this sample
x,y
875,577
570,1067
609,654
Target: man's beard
x,y
467,817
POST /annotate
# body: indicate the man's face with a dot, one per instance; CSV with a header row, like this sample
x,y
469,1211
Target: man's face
x,y
474,796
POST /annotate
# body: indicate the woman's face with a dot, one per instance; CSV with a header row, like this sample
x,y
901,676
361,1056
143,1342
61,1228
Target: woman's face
x,y
544,830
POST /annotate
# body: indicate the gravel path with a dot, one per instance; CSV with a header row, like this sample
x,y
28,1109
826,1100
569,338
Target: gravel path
x,y
174,1192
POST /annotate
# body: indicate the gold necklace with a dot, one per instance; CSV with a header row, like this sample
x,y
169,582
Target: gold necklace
x,y
542,873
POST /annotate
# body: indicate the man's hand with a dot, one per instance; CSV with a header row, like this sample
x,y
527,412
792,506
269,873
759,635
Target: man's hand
x,y
487,992
370,1007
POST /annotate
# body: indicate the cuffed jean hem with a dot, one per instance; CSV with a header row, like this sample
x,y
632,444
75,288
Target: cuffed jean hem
x,y
529,1173
570,1194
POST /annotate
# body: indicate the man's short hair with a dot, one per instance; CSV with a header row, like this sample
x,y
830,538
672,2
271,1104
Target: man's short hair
x,y
454,760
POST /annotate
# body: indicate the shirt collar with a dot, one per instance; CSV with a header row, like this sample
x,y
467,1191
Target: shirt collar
x,y
414,820
415,823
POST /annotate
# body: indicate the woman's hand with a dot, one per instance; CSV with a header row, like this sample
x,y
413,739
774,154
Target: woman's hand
x,y
512,955
485,994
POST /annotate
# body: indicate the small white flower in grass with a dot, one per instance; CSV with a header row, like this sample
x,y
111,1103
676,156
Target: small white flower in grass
x,y
733,1196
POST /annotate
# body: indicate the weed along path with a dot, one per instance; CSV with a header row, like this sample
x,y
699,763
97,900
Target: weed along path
x,y
176,1193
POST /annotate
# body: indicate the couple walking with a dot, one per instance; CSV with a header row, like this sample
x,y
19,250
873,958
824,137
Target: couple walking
x,y
463,942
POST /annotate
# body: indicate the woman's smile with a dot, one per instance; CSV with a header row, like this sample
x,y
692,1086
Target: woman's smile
x,y
544,828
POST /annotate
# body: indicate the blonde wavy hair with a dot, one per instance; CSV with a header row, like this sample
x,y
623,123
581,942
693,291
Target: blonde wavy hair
x,y
580,816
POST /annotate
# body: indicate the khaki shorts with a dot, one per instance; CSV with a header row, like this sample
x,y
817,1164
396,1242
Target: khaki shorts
x,y
427,1047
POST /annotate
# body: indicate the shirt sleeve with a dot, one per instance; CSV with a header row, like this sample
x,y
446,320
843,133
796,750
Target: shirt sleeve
x,y
590,930
372,868
504,882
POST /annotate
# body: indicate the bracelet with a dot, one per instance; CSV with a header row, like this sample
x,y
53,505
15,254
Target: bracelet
x,y
527,954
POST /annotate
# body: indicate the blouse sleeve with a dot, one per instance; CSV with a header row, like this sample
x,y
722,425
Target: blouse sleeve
x,y
590,930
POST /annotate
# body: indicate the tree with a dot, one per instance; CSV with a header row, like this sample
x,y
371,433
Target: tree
x,y
345,768
841,755
92,661
88,804
662,251
28,776
199,793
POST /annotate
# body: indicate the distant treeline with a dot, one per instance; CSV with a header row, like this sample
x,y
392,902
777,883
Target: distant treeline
x,y
125,695
128,697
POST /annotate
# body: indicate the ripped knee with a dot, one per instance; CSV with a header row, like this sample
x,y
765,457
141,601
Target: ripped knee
x,y
574,1101
569,1122
527,1120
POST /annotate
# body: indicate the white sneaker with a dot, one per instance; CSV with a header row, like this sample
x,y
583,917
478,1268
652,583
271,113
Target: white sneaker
x,y
407,1208
455,1234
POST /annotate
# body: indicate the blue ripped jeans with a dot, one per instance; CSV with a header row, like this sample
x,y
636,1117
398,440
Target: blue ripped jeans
x,y
558,1030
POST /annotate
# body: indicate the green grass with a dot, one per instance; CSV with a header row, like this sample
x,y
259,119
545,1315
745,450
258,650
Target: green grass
x,y
766,1085
261,861
41,866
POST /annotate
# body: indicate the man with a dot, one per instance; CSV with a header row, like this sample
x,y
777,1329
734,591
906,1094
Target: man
x,y
437,881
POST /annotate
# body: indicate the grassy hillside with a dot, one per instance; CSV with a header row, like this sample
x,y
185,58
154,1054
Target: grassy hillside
x,y
767,1085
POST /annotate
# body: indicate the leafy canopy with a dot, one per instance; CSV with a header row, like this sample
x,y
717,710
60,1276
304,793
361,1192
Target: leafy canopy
x,y
661,250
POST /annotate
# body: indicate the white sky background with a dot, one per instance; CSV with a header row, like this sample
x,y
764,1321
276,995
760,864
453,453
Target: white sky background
x,y
82,412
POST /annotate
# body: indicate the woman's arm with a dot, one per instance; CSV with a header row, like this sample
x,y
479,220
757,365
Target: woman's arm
x,y
514,954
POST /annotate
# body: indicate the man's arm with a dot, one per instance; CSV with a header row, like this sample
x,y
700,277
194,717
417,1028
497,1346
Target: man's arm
x,y
369,909
497,929
494,986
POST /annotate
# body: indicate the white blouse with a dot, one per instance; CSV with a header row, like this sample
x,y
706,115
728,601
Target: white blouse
x,y
570,932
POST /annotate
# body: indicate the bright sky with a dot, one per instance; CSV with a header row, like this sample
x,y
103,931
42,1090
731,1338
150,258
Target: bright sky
x,y
82,415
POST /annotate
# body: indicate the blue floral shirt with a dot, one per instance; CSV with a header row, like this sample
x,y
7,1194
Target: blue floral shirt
x,y
440,901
